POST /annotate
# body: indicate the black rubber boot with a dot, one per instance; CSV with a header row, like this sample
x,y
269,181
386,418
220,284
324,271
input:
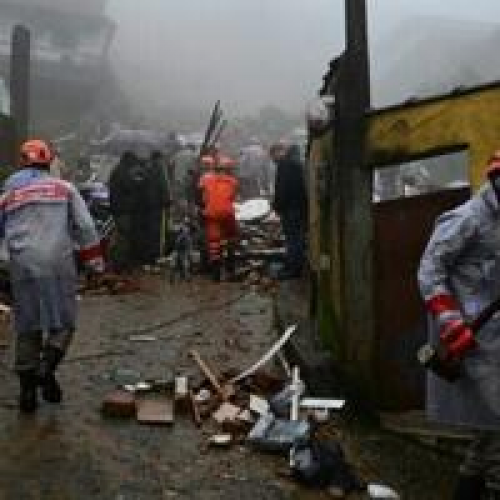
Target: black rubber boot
x,y
469,488
231,264
51,390
28,399
215,270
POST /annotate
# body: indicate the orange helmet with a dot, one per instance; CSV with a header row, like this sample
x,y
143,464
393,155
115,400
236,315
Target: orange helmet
x,y
208,160
226,162
35,151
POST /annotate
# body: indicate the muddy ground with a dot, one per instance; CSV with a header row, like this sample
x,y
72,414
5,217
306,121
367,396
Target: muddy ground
x,y
70,452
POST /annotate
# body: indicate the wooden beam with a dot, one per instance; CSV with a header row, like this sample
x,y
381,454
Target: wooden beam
x,y
351,208
20,80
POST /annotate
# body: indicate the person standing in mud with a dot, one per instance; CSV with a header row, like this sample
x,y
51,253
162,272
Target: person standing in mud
x,y
123,198
219,189
290,203
458,277
155,204
42,218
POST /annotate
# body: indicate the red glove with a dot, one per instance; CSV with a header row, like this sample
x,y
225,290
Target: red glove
x,y
458,338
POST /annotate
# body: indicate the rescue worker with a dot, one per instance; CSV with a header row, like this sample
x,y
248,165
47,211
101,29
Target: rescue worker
x,y
290,203
459,275
42,219
219,188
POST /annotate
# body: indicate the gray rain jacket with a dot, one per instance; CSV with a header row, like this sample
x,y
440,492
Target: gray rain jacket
x,y
43,220
462,259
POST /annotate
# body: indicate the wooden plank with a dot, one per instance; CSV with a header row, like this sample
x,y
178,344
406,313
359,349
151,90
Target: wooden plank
x,y
155,410
226,391
119,404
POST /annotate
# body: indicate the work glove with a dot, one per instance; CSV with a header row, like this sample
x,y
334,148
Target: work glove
x,y
457,338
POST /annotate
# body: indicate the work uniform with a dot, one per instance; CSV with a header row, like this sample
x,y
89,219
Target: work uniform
x,y
461,265
219,192
42,220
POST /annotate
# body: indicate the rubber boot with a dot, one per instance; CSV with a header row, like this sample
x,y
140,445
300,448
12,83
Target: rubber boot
x,y
51,390
216,270
28,400
469,488
231,264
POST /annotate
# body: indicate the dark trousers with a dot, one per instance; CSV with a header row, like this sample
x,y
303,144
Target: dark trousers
x,y
294,227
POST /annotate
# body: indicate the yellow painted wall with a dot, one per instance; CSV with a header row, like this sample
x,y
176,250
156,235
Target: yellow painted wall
x,y
425,128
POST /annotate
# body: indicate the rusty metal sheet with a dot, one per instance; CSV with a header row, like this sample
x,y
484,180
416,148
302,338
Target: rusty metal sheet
x,y
401,230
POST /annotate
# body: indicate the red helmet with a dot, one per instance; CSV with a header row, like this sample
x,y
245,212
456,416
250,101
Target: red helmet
x,y
35,151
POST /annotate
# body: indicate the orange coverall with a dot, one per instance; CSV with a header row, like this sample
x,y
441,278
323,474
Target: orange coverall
x,y
219,192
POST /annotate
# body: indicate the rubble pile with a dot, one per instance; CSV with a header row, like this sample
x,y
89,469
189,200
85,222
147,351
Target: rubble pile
x,y
262,241
258,408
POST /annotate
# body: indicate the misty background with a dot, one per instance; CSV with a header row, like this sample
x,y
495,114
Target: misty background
x,y
257,53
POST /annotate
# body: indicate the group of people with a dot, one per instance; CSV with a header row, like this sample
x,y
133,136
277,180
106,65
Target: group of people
x,y
44,218
218,189
139,202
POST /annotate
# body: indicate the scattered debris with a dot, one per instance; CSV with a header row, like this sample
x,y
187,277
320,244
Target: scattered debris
x,y
255,405
221,440
225,391
381,492
119,404
258,405
298,389
155,409
321,415
203,396
281,403
277,435
268,355
138,387
322,464
226,411
318,403
142,338
181,395
195,410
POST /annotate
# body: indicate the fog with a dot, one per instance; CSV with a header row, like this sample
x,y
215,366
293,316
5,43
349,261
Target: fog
x,y
247,53
252,53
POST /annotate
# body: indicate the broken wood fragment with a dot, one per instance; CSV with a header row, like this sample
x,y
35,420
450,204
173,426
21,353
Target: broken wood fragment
x,y
225,391
155,410
119,404
226,411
